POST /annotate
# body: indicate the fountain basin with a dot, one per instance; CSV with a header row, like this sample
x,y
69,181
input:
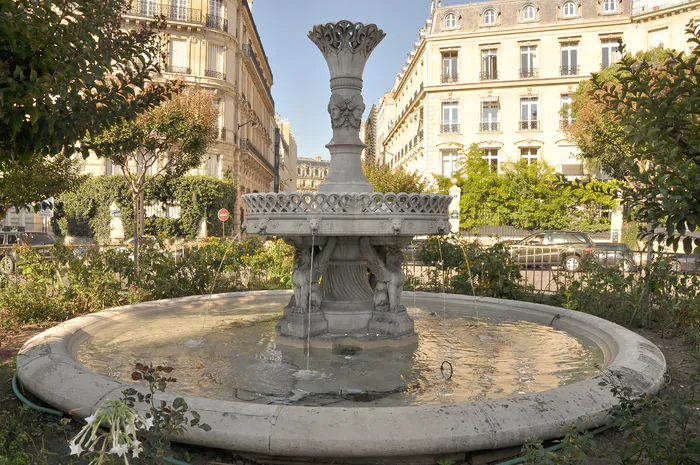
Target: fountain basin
x,y
48,367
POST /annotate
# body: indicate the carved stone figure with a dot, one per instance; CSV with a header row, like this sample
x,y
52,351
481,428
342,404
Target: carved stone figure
x,y
320,266
389,276
346,113
300,280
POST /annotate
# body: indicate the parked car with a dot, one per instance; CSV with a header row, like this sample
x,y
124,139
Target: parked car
x,y
553,248
9,257
614,254
685,262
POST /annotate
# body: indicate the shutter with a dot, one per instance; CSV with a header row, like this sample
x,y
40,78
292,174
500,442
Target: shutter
x,y
178,53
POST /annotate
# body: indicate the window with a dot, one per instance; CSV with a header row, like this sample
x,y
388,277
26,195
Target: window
x,y
569,59
528,114
609,52
216,8
565,114
609,6
489,17
658,38
148,7
449,162
450,117
178,10
568,10
489,116
489,64
530,155
491,157
449,67
570,164
215,61
528,61
529,13
213,164
450,21
178,56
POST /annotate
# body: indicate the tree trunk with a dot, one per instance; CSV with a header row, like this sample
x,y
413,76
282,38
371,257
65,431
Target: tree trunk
x,y
136,198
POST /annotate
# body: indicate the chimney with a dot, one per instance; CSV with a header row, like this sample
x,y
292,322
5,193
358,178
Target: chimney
x,y
318,158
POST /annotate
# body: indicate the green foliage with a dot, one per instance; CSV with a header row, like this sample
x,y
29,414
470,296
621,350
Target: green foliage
x,y
54,59
527,196
84,211
385,179
574,449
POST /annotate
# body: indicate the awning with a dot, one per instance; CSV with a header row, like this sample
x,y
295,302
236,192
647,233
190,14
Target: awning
x,y
489,98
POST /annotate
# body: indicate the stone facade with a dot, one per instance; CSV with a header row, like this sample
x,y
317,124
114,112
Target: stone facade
x,y
369,132
311,172
288,157
497,73
216,45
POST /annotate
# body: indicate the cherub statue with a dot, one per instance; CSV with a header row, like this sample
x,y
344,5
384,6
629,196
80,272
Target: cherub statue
x,y
390,278
304,282
320,267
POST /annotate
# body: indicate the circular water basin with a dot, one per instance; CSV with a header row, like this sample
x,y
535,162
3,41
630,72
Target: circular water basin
x,y
520,370
232,353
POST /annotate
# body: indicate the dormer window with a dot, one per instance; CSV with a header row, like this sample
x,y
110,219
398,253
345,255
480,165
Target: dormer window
x,y
529,13
489,17
609,6
568,10
450,21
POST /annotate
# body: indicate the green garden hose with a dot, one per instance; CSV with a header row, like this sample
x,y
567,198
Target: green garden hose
x,y
58,413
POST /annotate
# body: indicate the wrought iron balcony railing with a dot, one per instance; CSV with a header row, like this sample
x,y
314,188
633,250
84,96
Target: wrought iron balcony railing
x,y
490,127
529,125
217,22
178,70
488,75
569,70
449,128
250,54
247,146
215,74
221,133
529,72
152,9
452,77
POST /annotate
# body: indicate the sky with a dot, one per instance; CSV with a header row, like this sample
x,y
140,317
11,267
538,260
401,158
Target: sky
x,y
301,80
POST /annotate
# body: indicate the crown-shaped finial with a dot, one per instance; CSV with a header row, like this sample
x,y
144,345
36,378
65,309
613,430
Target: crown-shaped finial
x,y
346,35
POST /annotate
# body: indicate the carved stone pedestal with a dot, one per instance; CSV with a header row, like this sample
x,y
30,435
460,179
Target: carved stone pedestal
x,y
391,324
296,325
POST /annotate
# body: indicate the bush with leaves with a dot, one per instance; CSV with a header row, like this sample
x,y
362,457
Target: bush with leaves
x,y
386,179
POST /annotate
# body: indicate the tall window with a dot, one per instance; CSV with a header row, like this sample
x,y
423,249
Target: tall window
x,y
569,59
658,37
449,67
570,162
148,7
529,155
216,8
213,165
609,6
489,116
178,56
609,52
529,13
529,116
449,162
568,10
565,114
489,17
215,61
450,21
178,10
491,157
450,117
528,61
489,64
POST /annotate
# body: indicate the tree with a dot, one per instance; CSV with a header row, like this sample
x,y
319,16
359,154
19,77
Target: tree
x,y
658,107
596,131
67,68
167,141
385,179
22,186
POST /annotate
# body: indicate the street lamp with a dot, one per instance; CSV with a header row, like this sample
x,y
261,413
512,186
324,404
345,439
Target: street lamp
x,y
254,124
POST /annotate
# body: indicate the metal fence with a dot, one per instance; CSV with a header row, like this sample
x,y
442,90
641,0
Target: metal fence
x,y
540,272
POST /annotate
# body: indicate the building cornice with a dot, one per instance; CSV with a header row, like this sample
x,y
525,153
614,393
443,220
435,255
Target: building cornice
x,y
662,12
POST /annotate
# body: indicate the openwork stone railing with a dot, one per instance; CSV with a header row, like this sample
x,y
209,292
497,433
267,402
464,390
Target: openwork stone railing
x,y
347,203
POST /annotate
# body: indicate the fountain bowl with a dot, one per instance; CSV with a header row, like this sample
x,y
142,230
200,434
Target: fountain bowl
x,y
47,366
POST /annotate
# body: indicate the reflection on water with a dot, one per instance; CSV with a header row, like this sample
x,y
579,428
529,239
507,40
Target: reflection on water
x,y
234,356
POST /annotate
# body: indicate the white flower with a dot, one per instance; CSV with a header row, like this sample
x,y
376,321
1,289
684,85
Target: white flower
x,y
119,450
75,449
148,423
90,419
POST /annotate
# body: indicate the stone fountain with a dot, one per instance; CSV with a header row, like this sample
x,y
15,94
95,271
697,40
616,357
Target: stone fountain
x,y
347,274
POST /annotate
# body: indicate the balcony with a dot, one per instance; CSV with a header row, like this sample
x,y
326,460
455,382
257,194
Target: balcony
x,y
178,70
569,70
453,77
214,74
247,146
488,75
529,125
490,127
529,72
217,22
150,9
564,124
449,128
249,53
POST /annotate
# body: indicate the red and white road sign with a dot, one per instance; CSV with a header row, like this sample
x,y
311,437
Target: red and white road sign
x,y
223,214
